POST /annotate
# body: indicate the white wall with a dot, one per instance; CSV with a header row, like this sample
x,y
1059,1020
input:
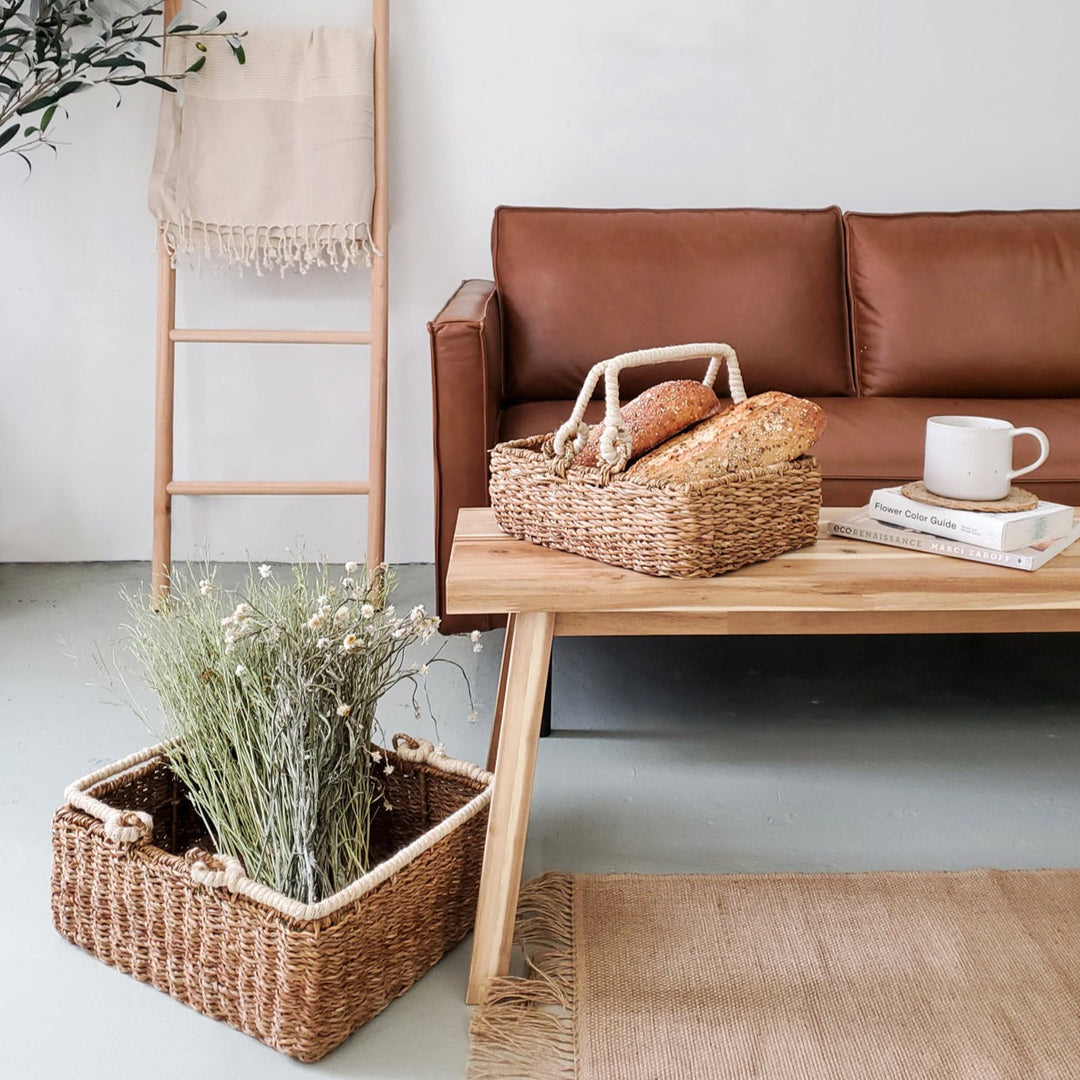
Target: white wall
x,y
870,104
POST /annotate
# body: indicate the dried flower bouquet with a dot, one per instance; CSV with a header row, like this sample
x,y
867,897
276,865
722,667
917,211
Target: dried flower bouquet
x,y
269,698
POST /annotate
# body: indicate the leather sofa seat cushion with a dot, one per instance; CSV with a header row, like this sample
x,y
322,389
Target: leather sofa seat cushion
x,y
977,304
873,441
578,286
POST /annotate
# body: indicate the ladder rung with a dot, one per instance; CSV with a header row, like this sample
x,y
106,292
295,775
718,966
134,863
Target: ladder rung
x,y
274,337
268,487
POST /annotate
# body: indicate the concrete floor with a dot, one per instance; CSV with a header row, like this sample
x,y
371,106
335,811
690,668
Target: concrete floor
x,y
669,755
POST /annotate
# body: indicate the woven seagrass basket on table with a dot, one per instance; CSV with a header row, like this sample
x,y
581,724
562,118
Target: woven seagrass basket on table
x,y
700,529
131,885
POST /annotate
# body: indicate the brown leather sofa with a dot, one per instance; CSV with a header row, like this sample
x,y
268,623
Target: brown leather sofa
x,y
883,319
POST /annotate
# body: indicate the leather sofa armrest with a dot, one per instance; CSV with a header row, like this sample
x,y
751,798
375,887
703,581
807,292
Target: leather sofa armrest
x,y
466,385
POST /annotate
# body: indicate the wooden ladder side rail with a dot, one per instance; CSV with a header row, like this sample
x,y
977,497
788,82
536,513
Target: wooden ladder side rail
x,y
168,335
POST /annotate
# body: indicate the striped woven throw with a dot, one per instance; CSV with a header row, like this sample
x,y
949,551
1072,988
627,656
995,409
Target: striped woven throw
x,y
269,164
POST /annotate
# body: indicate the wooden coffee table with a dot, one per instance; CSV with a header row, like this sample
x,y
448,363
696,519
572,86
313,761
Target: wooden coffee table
x,y
837,586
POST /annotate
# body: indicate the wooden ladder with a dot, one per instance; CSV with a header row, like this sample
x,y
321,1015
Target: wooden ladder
x,y
168,335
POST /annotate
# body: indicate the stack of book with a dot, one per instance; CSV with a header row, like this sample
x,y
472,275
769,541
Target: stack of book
x,y
1023,540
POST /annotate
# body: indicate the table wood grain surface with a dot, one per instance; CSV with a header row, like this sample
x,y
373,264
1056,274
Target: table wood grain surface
x,y
837,585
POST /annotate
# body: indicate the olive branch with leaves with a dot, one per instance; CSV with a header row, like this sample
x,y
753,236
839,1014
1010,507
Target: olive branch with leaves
x,y
52,49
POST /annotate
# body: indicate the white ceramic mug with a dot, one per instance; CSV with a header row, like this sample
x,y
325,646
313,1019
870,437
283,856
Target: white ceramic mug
x,y
970,457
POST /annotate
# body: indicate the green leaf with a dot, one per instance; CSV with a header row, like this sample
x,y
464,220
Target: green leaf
x,y
50,99
200,46
183,28
116,62
50,112
215,22
8,134
161,84
197,66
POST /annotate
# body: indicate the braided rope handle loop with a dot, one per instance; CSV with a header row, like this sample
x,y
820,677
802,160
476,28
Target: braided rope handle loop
x,y
422,752
123,826
615,449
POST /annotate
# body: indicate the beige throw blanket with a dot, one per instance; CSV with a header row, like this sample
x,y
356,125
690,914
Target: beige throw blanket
x,y
269,164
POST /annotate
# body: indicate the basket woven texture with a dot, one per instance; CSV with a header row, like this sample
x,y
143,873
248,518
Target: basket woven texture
x,y
668,530
301,985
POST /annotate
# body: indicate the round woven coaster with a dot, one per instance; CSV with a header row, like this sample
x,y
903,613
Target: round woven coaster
x,y
1017,499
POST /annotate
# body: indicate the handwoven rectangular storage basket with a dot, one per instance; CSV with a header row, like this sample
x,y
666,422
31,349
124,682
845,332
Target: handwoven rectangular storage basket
x,y
300,982
668,530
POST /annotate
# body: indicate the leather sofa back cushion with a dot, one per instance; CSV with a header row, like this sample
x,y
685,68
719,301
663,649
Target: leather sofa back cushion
x,y
578,286
982,304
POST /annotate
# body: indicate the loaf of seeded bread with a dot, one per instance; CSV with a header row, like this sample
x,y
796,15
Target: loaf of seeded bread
x,y
762,430
655,416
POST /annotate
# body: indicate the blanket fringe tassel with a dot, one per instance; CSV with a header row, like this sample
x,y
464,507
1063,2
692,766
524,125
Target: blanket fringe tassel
x,y
269,248
525,1029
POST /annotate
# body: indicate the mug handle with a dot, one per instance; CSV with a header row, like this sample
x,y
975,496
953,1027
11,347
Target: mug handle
x,y
1044,443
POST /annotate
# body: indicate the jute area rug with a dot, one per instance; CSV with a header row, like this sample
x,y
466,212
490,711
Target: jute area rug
x,y
942,976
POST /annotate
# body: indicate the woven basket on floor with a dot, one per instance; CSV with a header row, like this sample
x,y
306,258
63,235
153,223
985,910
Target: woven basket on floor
x,y
129,887
670,530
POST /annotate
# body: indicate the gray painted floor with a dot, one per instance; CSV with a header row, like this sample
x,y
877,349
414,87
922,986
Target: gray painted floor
x,y
669,755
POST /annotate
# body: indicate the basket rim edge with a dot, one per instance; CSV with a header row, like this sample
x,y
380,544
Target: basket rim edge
x,y
266,897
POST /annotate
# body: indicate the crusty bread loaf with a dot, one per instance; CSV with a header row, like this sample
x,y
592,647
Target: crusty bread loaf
x,y
762,430
655,416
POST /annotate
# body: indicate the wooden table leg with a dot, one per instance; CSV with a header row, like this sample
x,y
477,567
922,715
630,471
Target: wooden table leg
x,y
522,703
500,697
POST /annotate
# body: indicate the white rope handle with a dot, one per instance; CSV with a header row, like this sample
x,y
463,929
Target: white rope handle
x,y
422,752
570,439
123,826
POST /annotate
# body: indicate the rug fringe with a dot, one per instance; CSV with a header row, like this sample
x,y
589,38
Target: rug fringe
x,y
525,1028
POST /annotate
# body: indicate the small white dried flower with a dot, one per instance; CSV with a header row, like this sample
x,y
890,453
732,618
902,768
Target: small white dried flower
x,y
344,710
400,632
474,637
341,615
316,620
376,756
241,671
388,769
473,716
427,634
423,669
323,601
351,643
367,610
243,611
417,613
228,620
478,647
348,583
389,610
322,643
351,567
386,802
205,587
265,570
